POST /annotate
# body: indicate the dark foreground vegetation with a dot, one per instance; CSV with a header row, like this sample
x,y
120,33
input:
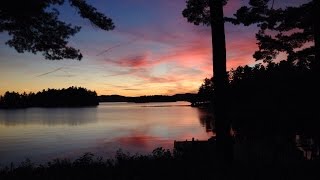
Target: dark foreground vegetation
x,y
70,97
161,164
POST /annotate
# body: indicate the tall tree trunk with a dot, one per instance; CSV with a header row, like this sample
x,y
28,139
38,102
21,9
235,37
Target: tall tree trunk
x,y
224,143
316,26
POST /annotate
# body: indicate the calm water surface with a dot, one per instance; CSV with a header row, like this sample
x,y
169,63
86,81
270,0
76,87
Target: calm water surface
x,y
42,134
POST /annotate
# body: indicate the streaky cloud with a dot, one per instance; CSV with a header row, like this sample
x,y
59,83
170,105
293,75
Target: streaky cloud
x,y
53,71
117,45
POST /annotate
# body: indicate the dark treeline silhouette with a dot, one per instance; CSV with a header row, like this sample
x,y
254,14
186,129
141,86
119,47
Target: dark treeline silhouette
x,y
145,99
205,94
271,101
277,100
70,97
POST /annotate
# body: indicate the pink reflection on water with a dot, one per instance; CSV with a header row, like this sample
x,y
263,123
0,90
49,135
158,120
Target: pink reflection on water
x,y
145,142
43,134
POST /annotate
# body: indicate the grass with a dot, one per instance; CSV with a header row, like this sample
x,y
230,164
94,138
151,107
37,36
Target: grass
x,y
160,164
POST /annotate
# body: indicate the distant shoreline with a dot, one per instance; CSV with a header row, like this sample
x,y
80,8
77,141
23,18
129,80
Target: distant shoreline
x,y
79,97
148,99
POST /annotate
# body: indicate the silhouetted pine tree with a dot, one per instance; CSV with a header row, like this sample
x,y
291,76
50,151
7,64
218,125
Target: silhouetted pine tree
x,y
35,26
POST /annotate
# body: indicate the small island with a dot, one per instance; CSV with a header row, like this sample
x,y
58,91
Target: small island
x,y
69,97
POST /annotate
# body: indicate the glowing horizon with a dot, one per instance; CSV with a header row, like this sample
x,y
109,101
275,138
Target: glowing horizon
x,y
150,52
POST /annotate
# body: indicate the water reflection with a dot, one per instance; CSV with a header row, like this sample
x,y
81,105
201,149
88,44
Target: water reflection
x,y
143,143
43,134
48,116
206,119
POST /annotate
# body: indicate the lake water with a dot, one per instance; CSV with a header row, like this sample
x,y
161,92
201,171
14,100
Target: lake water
x,y
43,134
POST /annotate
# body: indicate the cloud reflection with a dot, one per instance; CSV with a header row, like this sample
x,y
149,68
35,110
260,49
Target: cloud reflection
x,y
48,116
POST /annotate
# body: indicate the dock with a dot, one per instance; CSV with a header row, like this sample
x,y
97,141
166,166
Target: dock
x,y
196,145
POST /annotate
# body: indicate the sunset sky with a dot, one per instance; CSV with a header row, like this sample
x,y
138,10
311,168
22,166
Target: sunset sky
x,y
153,50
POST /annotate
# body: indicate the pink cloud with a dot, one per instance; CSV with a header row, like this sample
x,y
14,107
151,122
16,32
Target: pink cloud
x,y
133,62
193,51
187,52
194,55
183,48
240,51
